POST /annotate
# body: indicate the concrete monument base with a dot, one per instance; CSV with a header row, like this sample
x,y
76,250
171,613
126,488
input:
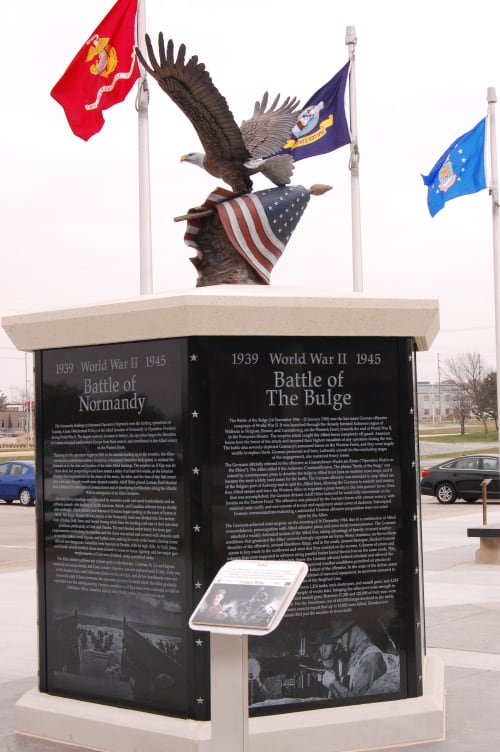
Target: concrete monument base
x,y
361,727
233,310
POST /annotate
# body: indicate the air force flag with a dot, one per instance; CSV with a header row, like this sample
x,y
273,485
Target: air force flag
x,y
459,171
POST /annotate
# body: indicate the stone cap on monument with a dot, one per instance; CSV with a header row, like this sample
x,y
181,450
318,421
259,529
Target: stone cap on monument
x,y
228,310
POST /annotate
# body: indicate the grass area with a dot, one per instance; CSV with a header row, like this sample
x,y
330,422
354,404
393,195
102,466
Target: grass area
x,y
7,455
469,438
451,432
439,433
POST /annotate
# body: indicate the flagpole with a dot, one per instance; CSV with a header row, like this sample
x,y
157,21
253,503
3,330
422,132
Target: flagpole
x,y
492,98
142,104
357,262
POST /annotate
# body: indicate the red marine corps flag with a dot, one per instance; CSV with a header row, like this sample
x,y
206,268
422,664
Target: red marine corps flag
x,y
102,73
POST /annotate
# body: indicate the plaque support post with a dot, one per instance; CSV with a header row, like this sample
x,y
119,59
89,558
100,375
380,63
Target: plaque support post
x,y
246,579
229,692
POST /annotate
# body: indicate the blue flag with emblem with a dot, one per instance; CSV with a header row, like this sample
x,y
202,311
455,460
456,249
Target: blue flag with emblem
x,y
459,171
322,125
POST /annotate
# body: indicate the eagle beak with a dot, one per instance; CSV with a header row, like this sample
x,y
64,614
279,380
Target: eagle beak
x,y
184,157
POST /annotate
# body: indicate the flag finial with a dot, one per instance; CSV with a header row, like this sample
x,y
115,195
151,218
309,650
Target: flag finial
x,y
350,35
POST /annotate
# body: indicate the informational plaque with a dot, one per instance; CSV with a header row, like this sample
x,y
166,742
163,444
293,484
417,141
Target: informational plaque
x,y
248,597
162,460
312,457
116,593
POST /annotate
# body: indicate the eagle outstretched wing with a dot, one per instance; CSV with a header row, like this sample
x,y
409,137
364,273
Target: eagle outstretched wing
x,y
266,131
190,86
228,148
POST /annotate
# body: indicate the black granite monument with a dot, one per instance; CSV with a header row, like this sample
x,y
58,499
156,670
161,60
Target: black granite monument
x,y
160,460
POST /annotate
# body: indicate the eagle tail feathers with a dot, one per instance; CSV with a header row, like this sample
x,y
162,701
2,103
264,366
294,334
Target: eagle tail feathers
x,y
277,169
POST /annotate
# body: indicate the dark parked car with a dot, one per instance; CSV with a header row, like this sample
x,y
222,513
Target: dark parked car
x,y
17,481
461,478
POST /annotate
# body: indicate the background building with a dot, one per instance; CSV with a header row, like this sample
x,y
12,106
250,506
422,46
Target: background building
x,y
17,420
437,401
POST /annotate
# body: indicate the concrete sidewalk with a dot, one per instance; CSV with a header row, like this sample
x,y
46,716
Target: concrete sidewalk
x,y
434,450
462,609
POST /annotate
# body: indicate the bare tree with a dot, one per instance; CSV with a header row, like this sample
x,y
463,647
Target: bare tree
x,y
460,404
3,401
467,371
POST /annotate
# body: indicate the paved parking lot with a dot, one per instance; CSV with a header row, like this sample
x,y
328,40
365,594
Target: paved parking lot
x,y
17,537
462,613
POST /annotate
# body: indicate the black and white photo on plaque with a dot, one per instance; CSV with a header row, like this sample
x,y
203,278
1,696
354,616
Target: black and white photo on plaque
x,y
241,605
336,660
97,653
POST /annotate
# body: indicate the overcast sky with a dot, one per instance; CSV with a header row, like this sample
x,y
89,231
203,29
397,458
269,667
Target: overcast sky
x,y
69,208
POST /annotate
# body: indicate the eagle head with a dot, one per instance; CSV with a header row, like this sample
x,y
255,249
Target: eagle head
x,y
194,157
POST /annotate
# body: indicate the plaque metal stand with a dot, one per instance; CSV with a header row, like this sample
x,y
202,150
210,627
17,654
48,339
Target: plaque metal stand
x,y
246,597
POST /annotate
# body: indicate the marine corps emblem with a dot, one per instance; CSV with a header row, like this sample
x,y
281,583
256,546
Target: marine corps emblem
x,y
107,59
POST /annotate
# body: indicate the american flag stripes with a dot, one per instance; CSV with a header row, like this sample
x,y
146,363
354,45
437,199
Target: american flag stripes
x,y
258,225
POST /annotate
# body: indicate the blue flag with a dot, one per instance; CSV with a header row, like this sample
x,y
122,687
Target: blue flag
x,y
459,171
321,126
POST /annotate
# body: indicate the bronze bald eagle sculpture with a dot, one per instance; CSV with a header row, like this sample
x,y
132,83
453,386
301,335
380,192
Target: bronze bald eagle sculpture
x,y
232,153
